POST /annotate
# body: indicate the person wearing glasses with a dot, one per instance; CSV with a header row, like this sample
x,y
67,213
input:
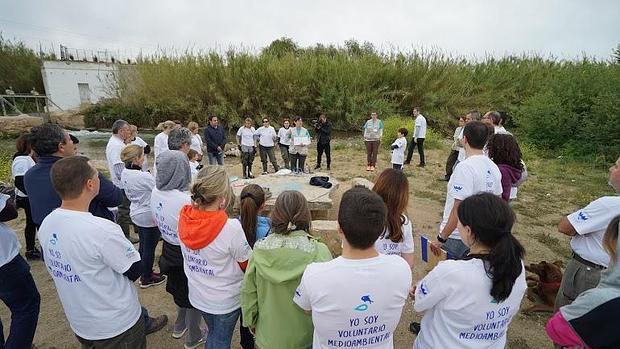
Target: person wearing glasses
x,y
267,136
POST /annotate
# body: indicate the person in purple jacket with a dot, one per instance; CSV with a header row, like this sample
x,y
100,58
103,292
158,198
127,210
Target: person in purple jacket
x,y
504,150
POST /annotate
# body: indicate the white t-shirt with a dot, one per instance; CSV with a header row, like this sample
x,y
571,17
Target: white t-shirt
x,y
462,154
161,144
213,272
501,130
247,136
86,257
386,246
166,207
138,188
459,311
193,167
475,174
419,127
139,141
113,156
21,165
266,136
350,303
196,144
9,245
285,135
590,223
398,154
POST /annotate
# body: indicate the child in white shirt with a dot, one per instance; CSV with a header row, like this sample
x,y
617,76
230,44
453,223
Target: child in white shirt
x,y
398,149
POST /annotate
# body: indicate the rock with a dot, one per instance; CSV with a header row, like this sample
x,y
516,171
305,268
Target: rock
x,y
231,149
327,232
11,126
363,182
68,120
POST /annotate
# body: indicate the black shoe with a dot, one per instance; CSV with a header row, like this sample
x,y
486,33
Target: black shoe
x,y
157,323
153,281
33,254
421,165
407,162
329,168
414,328
318,166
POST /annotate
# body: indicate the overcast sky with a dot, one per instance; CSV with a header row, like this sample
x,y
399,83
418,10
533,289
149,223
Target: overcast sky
x,y
562,28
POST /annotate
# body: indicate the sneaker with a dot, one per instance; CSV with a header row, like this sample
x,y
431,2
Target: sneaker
x,y
153,281
33,254
329,168
157,323
414,328
200,342
178,334
421,165
317,167
372,168
368,168
264,173
250,175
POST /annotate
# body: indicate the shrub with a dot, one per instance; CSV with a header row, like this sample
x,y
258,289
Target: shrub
x,y
433,140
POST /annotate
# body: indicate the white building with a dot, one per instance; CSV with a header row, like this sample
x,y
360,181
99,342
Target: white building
x,y
72,84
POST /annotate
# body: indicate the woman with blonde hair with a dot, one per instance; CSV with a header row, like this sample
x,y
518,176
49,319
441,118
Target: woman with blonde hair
x,y
275,270
215,253
135,139
196,139
161,140
138,187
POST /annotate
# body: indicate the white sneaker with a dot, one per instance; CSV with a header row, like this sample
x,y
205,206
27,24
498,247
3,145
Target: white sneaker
x,y
179,334
195,345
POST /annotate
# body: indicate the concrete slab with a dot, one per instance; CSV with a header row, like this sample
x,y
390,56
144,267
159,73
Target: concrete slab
x,y
318,198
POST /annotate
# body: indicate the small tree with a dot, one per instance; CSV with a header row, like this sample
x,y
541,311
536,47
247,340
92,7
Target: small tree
x,y
616,54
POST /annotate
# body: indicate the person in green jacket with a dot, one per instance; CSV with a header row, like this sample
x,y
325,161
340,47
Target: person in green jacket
x,y
273,273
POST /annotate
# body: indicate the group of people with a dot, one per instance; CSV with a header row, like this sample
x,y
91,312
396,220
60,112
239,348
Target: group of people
x,y
269,273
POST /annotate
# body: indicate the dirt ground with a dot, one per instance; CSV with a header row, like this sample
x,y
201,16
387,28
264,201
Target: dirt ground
x,y
425,208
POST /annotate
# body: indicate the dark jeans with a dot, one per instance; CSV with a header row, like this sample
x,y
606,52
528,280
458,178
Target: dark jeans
x,y
247,339
285,155
298,162
265,152
31,229
221,327
372,148
123,218
149,237
19,292
420,144
454,155
247,158
216,158
134,337
323,147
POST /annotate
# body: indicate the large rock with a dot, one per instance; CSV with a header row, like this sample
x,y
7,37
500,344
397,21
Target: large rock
x,y
363,182
68,120
11,126
327,232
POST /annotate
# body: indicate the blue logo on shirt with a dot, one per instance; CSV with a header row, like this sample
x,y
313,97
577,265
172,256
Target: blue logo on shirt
x,y
53,239
582,216
458,187
363,307
298,293
423,289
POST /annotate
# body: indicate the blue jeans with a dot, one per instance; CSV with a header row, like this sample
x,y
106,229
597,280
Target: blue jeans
x,y
19,292
221,327
456,248
149,237
216,158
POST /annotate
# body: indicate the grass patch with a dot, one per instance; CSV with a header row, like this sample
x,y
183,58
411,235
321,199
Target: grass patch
x,y
6,160
554,244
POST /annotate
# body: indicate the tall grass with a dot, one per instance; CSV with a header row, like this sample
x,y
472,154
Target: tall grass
x,y
569,106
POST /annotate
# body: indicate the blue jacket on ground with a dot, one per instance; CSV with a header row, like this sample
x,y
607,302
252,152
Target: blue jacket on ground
x,y
44,199
215,137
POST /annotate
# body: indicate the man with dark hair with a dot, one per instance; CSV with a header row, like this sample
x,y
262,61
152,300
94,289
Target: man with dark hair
x,y
92,264
477,173
419,134
348,294
52,143
494,119
121,132
216,140
323,130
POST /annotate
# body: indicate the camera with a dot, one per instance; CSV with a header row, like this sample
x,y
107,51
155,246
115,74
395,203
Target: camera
x,y
314,122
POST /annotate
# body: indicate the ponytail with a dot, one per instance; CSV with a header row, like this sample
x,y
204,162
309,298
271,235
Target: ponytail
x,y
490,220
251,199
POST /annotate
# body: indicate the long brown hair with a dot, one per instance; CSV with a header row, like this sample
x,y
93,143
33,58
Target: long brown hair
x,y
610,239
290,213
250,201
393,187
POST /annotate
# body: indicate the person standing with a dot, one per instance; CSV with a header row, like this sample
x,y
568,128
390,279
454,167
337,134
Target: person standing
x,y
586,227
473,115
137,140
196,140
373,131
247,146
419,134
121,132
17,288
454,153
477,173
494,119
92,264
284,142
161,140
216,140
23,160
299,150
266,135
398,149
356,299
323,128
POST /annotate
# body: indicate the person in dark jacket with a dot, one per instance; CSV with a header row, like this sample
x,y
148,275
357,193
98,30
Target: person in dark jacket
x,y
323,130
505,152
51,143
216,140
